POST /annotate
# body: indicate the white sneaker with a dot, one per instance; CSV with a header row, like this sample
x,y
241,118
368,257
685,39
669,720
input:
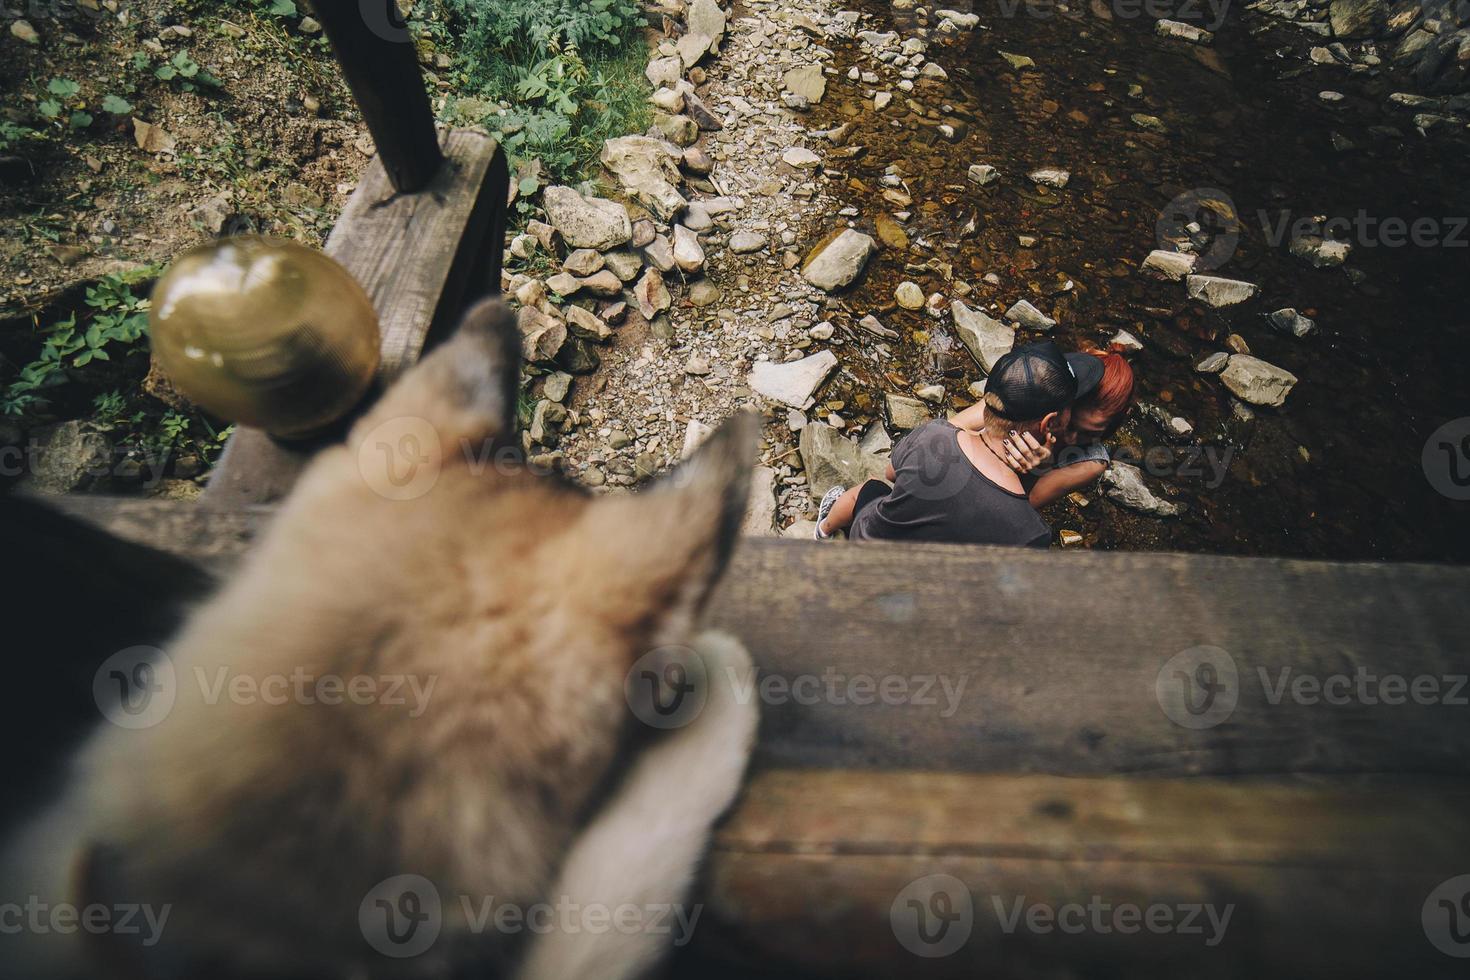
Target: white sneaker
x,y
825,508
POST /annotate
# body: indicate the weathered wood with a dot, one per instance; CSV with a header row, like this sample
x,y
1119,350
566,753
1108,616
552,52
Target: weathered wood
x,y
1322,879
422,259
1058,654
380,63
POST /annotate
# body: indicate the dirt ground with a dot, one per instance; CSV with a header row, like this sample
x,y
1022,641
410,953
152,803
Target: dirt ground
x,y
272,145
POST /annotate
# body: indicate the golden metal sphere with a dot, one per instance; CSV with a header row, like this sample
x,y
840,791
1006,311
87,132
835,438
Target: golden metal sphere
x,y
265,332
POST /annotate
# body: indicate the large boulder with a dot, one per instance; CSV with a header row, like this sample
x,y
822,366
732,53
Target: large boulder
x,y
839,260
831,460
985,337
792,383
649,170
705,17
587,222
1254,380
68,456
1357,18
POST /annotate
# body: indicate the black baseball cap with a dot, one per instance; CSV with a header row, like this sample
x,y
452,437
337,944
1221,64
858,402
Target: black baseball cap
x,y
1037,379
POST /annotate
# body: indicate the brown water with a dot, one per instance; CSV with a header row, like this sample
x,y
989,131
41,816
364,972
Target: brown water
x,y
1337,471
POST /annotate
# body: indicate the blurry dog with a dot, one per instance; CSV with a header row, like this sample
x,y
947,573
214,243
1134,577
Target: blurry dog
x,y
270,834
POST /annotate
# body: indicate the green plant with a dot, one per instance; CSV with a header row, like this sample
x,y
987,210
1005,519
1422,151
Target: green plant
x,y
60,92
186,71
563,65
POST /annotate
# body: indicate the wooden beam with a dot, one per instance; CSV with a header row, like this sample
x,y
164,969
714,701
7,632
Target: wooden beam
x,y
422,259
1320,879
380,62
1006,660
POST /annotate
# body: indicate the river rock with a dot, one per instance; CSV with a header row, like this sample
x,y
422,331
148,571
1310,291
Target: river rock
x,y
792,383
624,264
665,72
905,413
760,507
1322,253
1030,317
692,46
603,283
1213,363
801,158
1162,264
1123,340
839,261
679,130
651,295
660,253
982,173
586,324
742,242
587,222
1182,31
909,295
1292,322
705,17
890,232
1255,381
1123,483
542,337
688,253
649,170
806,82
1219,292
1017,61
831,460
1051,176
1357,18
564,284
986,338
583,262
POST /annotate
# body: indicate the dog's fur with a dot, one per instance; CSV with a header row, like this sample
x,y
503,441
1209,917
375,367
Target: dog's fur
x,y
527,602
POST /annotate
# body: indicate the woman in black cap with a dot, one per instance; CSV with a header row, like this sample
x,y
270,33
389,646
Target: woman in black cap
x,y
952,481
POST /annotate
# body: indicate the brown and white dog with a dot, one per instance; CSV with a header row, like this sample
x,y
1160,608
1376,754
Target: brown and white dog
x,y
267,828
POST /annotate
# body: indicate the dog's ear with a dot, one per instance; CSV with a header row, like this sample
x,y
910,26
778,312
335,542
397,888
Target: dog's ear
x,y
465,388
653,557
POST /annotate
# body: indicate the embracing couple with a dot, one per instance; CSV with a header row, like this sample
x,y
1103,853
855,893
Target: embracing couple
x,y
979,477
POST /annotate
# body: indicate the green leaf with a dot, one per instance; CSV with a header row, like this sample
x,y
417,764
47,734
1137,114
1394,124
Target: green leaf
x,y
80,120
63,87
116,105
165,72
529,186
283,8
49,108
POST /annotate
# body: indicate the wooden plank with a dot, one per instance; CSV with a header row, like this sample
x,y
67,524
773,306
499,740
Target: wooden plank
x,y
1058,654
1321,879
380,63
422,259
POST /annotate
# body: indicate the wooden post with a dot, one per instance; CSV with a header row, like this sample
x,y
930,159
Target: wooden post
x,y
378,59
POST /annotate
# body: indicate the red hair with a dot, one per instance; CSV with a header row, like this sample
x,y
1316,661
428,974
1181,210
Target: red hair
x,y
1113,395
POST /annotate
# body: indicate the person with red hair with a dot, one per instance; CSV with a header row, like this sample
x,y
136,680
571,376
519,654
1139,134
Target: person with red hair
x,y
1076,458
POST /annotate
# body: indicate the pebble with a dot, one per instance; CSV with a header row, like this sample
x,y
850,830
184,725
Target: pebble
x,y
909,295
